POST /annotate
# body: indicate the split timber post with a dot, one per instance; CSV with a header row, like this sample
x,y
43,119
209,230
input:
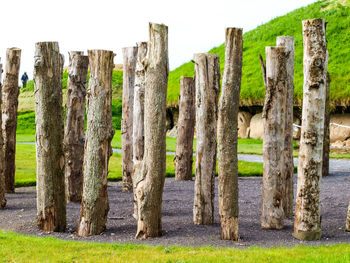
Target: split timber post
x,y
307,223
71,55
326,138
207,82
274,114
288,169
74,135
51,203
2,176
10,92
129,64
138,131
185,130
228,134
150,182
98,150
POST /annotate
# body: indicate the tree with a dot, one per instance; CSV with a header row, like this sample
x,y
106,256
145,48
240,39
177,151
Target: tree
x,y
307,223
150,182
228,134
207,81
129,64
98,150
74,135
10,94
51,203
185,130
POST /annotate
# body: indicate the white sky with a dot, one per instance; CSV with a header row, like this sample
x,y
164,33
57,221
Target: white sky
x,y
194,26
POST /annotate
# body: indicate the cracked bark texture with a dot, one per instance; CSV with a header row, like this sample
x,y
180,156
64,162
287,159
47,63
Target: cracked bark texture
x,y
207,82
98,150
51,203
138,139
2,176
129,64
274,118
228,134
307,223
150,182
10,92
326,137
74,135
185,130
288,169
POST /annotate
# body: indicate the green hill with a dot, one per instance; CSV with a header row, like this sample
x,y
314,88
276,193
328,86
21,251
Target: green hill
x,y
336,13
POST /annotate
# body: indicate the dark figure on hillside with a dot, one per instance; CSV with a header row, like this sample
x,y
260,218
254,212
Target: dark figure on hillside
x,y
24,79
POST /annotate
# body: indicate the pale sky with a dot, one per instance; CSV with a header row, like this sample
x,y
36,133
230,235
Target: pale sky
x,y
194,26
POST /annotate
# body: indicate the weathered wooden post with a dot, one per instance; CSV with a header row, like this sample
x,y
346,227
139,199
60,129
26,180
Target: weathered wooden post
x,y
228,134
51,203
138,139
347,226
150,182
99,133
185,130
307,224
129,64
74,135
207,81
10,92
71,55
326,137
2,176
288,169
274,114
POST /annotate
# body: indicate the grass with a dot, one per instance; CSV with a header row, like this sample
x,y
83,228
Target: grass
x,y
336,13
26,166
21,248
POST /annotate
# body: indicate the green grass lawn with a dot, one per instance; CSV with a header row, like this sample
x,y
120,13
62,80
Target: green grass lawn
x,y
26,166
21,248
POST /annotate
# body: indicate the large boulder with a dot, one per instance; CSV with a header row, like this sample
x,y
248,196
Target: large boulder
x,y
296,130
256,127
340,133
243,124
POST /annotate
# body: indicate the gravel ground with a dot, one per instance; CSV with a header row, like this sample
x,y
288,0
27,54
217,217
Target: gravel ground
x,y
20,216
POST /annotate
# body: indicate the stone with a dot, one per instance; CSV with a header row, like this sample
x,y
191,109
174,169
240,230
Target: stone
x,y
256,127
339,133
243,124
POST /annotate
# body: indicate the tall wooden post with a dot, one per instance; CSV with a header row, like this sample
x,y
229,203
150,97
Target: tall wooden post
x,y
138,139
185,130
74,135
347,225
288,169
129,64
274,114
2,176
207,81
150,182
99,133
326,137
228,134
51,203
10,92
307,223
71,55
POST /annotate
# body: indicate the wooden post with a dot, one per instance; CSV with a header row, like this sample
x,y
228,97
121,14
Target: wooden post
x,y
71,55
288,169
10,92
150,182
347,226
307,223
51,203
74,135
129,63
99,133
326,138
228,134
207,81
185,130
274,114
138,139
2,176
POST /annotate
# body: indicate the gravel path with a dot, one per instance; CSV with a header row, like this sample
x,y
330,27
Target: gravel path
x,y
20,216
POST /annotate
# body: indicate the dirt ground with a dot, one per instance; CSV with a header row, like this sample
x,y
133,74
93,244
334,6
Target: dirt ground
x,y
178,229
